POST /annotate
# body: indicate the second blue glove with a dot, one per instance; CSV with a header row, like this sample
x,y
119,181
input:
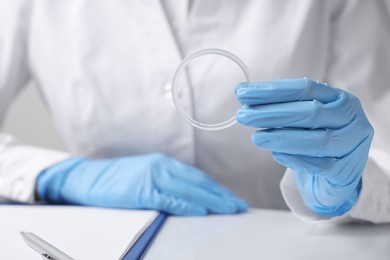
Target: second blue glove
x,y
318,131
153,181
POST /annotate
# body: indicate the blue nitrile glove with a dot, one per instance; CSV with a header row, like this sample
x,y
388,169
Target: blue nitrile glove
x,y
153,181
318,131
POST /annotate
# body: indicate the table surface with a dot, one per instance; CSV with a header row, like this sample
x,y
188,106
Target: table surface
x,y
267,234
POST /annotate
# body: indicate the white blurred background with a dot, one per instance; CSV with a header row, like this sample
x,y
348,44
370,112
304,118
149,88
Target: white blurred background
x,y
29,120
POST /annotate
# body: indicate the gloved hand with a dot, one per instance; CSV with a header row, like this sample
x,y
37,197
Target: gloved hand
x,y
318,131
153,181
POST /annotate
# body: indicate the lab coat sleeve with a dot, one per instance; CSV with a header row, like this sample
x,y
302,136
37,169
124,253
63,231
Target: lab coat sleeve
x,y
359,61
19,163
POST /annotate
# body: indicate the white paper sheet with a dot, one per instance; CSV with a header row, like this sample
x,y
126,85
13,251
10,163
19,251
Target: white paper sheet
x,y
80,232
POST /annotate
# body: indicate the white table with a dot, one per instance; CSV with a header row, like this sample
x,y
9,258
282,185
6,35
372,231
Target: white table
x,y
267,234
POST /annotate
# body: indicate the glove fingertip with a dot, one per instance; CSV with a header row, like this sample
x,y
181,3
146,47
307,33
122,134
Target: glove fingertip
x,y
242,205
241,91
258,139
241,88
241,116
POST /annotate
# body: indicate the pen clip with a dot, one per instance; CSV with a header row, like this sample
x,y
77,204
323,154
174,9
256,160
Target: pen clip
x,y
46,256
46,250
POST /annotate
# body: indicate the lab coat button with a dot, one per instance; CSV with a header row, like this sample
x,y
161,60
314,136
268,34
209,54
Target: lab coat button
x,y
167,91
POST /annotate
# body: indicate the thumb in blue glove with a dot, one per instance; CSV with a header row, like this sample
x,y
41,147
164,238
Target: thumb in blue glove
x,y
318,131
153,181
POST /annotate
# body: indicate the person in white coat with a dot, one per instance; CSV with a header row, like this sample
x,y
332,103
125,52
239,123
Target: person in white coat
x,y
104,69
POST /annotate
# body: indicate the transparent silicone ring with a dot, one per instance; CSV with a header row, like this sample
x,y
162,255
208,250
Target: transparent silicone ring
x,y
175,87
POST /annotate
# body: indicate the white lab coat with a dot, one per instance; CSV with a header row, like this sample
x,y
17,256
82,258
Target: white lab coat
x,y
104,70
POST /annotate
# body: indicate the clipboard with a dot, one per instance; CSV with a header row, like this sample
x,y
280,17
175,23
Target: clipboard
x,y
136,229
